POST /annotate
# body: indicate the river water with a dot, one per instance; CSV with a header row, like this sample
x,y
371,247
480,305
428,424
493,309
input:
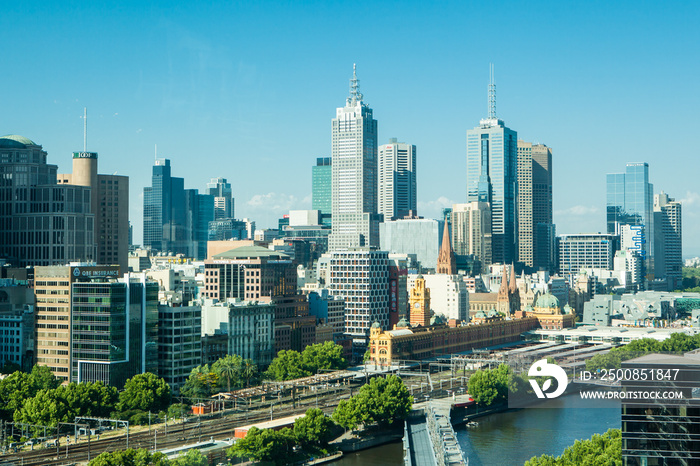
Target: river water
x,y
511,438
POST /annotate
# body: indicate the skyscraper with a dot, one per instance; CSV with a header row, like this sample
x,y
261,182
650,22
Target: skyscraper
x,y
536,236
175,219
355,222
630,202
668,235
397,180
41,222
491,177
223,198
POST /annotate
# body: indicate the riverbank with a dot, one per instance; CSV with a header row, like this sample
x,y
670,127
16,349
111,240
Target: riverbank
x,y
354,441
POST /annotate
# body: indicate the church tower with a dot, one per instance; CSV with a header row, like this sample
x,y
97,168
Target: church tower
x,y
446,263
513,291
503,297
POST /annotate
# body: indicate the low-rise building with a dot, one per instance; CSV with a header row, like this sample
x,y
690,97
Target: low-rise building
x,y
404,342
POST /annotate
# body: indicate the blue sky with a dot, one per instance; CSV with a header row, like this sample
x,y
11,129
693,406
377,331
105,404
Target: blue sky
x,y
247,91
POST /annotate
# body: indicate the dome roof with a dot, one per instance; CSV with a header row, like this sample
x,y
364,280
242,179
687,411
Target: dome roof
x,y
402,323
493,313
567,309
376,325
480,315
16,142
547,300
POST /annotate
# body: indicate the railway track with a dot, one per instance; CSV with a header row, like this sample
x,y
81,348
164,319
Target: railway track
x,y
189,432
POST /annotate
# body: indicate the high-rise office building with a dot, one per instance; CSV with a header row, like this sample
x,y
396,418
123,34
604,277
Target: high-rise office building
x,y
41,222
355,222
361,277
630,201
91,325
175,219
535,227
321,181
668,236
397,180
110,204
471,230
223,198
114,329
492,178
179,342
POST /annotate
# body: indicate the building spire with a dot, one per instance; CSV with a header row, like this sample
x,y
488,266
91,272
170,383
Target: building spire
x,y
447,262
355,94
492,93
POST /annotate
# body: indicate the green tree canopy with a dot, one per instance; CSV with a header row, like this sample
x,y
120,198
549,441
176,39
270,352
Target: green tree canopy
x,y
43,378
131,457
382,401
323,356
599,450
490,386
229,369
287,365
145,392
315,428
51,406
276,446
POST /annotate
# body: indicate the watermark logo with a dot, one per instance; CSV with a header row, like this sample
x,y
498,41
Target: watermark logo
x,y
542,368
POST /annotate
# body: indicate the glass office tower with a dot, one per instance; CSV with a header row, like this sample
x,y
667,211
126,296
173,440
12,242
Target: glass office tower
x,y
491,177
630,201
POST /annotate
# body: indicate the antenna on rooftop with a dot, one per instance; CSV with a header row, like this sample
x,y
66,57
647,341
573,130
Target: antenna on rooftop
x,y
492,92
84,129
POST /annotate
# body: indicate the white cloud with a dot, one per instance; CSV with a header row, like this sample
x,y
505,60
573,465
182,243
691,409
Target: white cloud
x,y
690,199
433,209
266,209
578,210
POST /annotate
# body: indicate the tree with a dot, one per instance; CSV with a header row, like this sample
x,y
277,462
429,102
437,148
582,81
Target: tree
x,y
15,389
490,386
345,414
249,371
287,365
323,356
229,368
191,458
47,408
383,401
63,404
315,428
276,446
131,457
195,386
603,449
44,379
145,392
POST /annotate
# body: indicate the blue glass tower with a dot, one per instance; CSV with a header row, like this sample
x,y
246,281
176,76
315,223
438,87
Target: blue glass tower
x,y
630,201
175,219
492,157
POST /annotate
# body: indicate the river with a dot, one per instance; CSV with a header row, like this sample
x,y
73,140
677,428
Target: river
x,y
511,438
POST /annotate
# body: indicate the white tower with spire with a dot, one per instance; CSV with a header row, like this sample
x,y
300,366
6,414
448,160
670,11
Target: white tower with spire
x,y
355,222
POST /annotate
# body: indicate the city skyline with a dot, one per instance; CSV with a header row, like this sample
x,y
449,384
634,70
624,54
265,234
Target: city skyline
x,y
209,87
